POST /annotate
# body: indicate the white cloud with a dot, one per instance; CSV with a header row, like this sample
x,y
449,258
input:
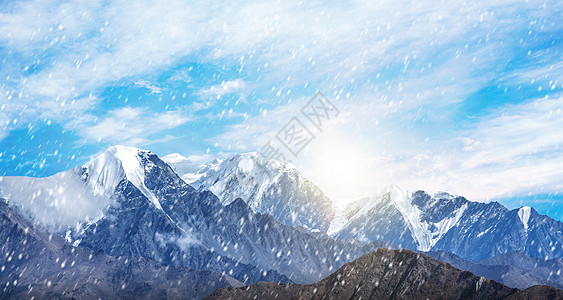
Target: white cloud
x,y
514,151
224,88
99,44
132,126
154,88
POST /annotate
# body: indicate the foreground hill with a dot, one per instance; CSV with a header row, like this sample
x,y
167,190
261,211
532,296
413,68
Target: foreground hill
x,y
391,274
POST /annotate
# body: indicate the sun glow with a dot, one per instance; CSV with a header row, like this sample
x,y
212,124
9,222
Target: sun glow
x,y
342,169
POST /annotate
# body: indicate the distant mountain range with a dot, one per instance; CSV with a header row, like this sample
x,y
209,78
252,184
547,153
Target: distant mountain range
x,y
472,230
412,220
244,220
515,269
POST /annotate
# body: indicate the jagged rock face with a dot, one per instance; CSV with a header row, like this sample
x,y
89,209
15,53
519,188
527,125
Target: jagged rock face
x,y
191,228
41,265
382,274
489,229
268,187
136,227
442,221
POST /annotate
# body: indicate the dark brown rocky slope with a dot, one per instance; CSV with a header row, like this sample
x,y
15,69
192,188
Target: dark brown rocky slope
x,y
390,274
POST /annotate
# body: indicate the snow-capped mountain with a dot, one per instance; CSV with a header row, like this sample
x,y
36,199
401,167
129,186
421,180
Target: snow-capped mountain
x,y
82,194
267,186
443,221
151,212
195,229
127,201
413,220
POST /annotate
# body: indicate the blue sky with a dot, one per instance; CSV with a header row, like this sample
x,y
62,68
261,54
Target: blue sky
x,y
464,97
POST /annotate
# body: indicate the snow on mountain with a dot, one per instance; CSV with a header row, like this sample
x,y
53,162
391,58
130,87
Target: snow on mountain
x,y
79,195
365,219
183,166
272,187
442,221
127,201
524,214
413,220
196,230
106,171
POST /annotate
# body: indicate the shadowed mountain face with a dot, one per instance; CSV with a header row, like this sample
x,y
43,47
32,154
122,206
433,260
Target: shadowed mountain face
x,y
388,274
42,265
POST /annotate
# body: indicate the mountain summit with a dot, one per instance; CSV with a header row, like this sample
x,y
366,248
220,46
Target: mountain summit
x,y
268,186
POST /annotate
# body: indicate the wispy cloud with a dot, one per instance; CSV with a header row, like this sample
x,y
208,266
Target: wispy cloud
x,y
132,126
226,87
92,46
154,88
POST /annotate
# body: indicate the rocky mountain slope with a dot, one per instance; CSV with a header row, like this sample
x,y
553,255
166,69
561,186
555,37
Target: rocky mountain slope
x,y
37,264
389,274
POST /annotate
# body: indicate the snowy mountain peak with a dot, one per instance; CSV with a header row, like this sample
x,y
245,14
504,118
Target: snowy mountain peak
x,y
267,186
174,158
253,173
422,214
107,170
252,162
185,167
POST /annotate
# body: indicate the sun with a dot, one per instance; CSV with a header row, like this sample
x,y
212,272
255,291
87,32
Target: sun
x,y
340,167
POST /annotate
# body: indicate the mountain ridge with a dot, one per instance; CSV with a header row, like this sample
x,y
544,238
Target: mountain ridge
x,y
413,220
